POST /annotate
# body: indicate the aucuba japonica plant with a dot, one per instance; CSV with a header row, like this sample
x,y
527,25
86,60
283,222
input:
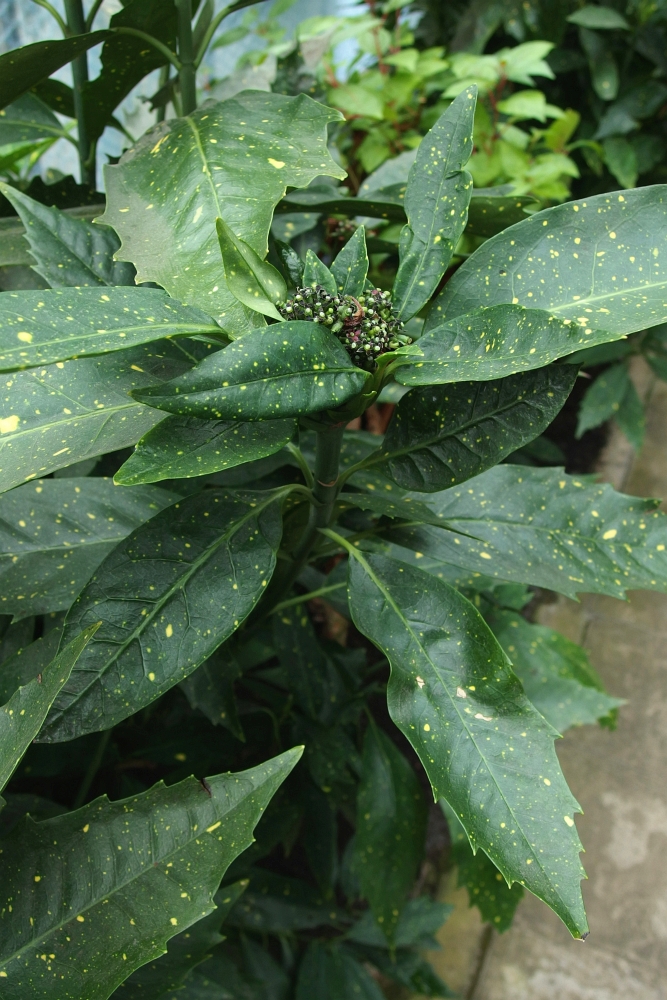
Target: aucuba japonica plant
x,y
257,576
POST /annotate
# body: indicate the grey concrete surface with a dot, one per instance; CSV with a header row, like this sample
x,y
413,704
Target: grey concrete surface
x,y
620,779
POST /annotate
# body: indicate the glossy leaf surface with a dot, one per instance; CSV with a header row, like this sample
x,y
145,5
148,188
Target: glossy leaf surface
x,y
38,328
170,848
484,747
28,120
167,596
66,412
598,262
253,281
22,717
181,447
436,204
213,164
443,435
316,272
350,267
21,68
555,672
496,341
549,529
283,371
55,532
67,250
391,826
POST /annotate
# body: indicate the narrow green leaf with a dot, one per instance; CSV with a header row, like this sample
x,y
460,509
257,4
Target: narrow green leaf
x,y
211,689
68,251
453,695
38,328
441,436
491,342
549,529
24,665
22,68
170,848
350,267
232,160
277,904
302,659
253,281
286,370
182,447
568,261
22,717
631,417
436,203
317,273
28,120
214,552
603,398
391,827
55,532
487,889
66,412
330,972
555,672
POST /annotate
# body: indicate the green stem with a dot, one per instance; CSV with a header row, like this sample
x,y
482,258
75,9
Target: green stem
x,y
76,24
54,14
213,26
93,768
302,463
188,71
92,14
303,598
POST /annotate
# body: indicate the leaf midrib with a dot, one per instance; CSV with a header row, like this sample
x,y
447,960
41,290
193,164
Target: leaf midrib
x,y
387,596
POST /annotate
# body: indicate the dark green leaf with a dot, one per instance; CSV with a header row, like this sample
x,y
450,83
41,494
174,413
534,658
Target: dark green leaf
x,y
70,411
631,418
320,837
275,904
69,251
621,159
57,95
22,717
283,371
170,848
252,280
330,972
391,826
453,695
291,263
303,660
27,120
446,434
420,920
487,889
350,267
555,672
317,273
246,151
603,398
605,76
24,664
38,328
491,342
181,447
546,528
615,282
490,214
167,596
436,204
55,532
127,60
404,507
22,68
211,689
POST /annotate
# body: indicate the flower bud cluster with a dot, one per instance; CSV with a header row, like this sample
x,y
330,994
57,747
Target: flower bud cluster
x,y
366,326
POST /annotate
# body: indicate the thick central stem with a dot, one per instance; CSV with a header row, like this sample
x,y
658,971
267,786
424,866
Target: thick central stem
x,y
187,74
76,23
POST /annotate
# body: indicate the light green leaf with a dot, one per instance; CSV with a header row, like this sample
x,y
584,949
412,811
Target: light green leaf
x,y
492,342
68,251
181,447
442,435
484,747
286,370
64,413
621,159
436,204
598,16
22,717
27,120
569,260
350,267
317,273
356,100
168,595
391,827
171,846
253,281
38,328
529,104
232,160
549,529
555,673
603,398
55,532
